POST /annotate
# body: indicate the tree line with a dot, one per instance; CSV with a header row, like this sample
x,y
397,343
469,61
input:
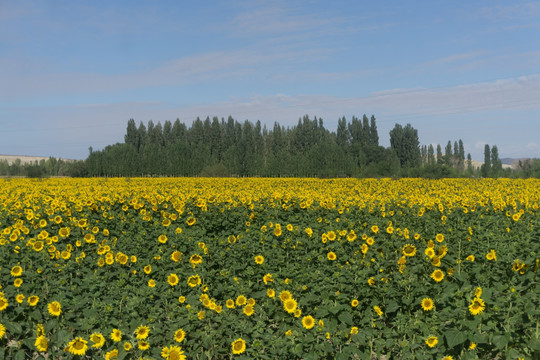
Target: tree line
x,y
219,147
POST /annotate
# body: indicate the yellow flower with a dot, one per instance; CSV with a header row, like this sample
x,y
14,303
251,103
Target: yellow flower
x,y
152,283
308,322
191,221
238,346
173,352
248,310
179,335
241,300
271,293
2,331
230,303
432,341
176,256
491,255
181,299
427,304
77,346
439,237
409,250
288,332
437,275
195,259
259,259
127,346
41,343
16,271
113,354
33,300
98,339
162,238
55,309
290,305
470,258
472,345
354,330
143,345
354,303
375,229
148,269
284,295
378,310
20,298
331,256
477,306
142,332
116,335
194,280
172,279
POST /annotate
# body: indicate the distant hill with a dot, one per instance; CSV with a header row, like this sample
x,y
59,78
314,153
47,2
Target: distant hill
x,y
26,159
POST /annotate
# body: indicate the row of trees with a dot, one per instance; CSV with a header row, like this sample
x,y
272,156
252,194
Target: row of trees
x,y
214,147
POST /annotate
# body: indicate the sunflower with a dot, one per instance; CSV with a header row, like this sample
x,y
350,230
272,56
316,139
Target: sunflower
x,y
181,299
364,248
194,280
370,241
389,229
354,303
371,281
64,232
259,259
191,221
267,278
427,304
271,293
241,300
16,271
127,346
152,283
55,309
143,345
491,255
478,292
229,303
432,341
2,330
77,346
354,330
176,256
33,300
38,246
20,298
378,310
409,250
277,230
195,259
3,303
147,269
331,256
172,279
448,357
429,252
308,322
179,335
477,306
248,310
98,339
290,227
437,275
116,335
113,354
470,258
375,229
439,237
162,238
142,332
284,295
331,235
290,305
41,343
351,236
238,346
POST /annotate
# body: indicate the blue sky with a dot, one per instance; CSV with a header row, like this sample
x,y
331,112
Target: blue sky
x,y
72,73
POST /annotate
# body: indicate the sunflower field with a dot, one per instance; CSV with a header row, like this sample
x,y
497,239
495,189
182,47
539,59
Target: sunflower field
x,y
195,268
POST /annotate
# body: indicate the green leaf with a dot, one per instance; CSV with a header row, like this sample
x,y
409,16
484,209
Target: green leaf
x,y
346,318
534,344
13,328
454,338
20,355
500,341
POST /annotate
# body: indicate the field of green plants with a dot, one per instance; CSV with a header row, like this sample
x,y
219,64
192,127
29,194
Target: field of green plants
x,y
194,268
